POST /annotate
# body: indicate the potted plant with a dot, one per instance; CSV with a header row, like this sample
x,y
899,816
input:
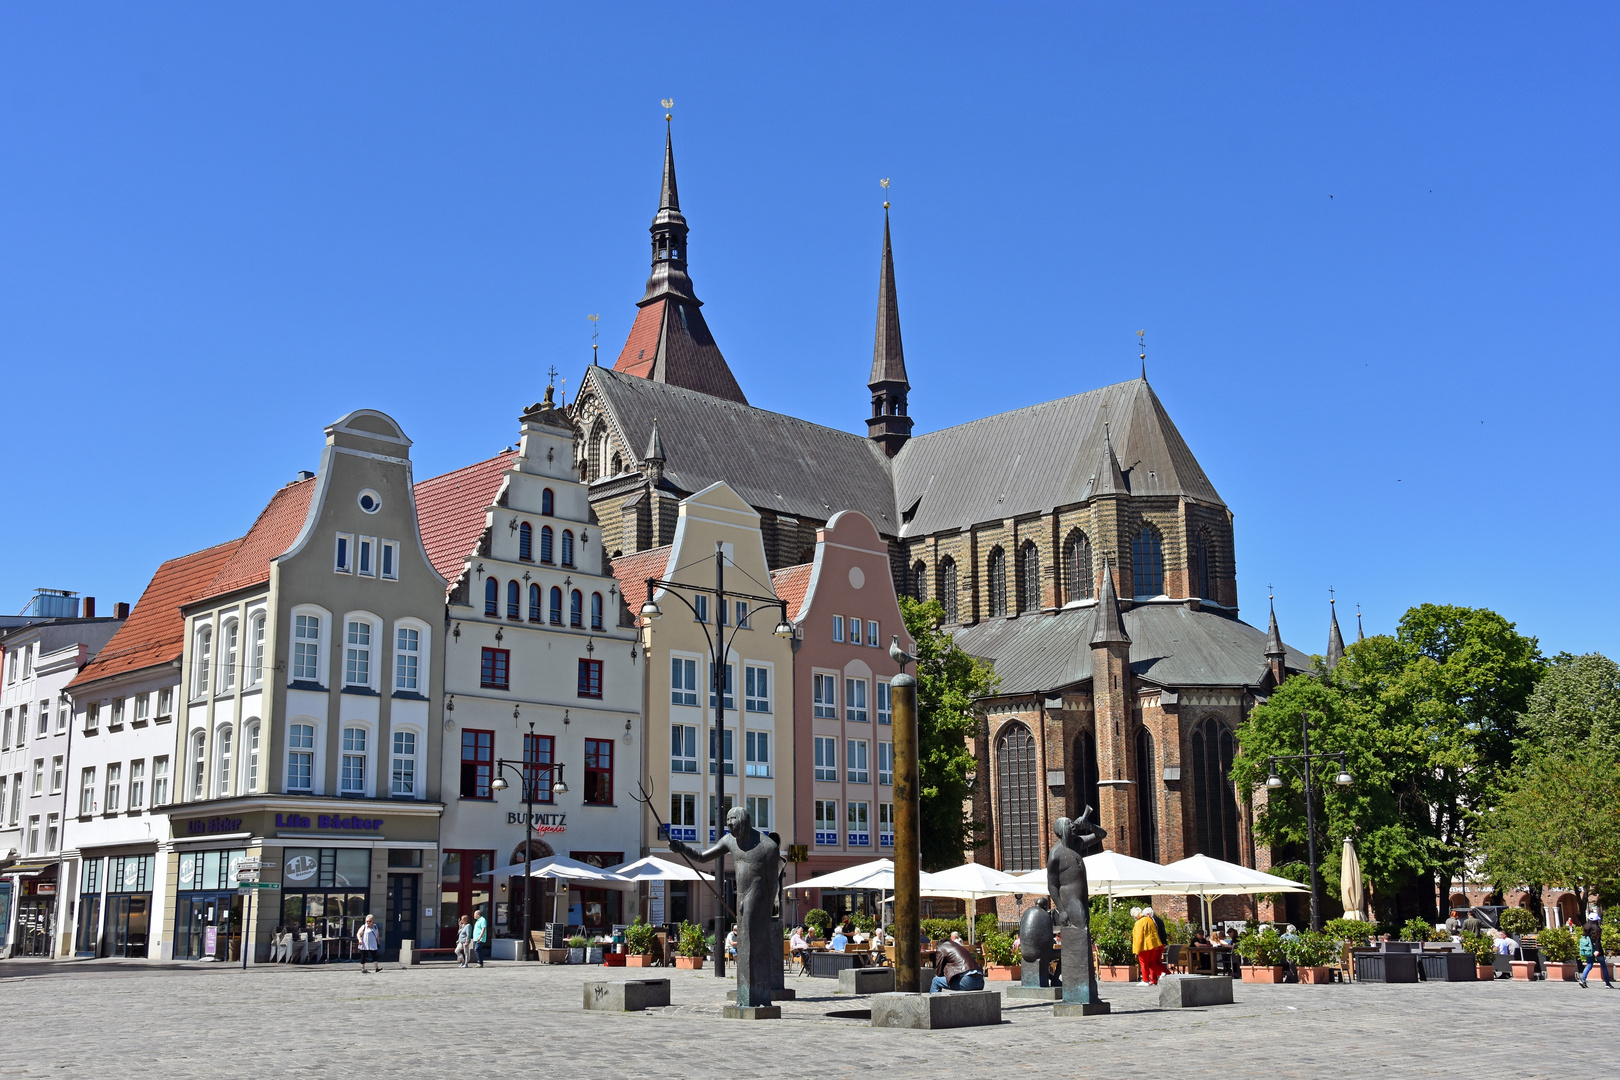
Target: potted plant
x,y
692,946
1111,935
1000,957
576,949
1351,931
819,923
1559,952
1518,922
1419,930
639,938
1262,948
1312,954
1484,953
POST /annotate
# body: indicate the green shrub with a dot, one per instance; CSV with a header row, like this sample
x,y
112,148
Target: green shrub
x,y
1178,931
692,941
986,924
864,923
577,942
1517,921
1557,945
1481,947
940,929
1261,947
819,921
1313,948
998,948
639,937
1354,931
1611,930
1418,929
1111,933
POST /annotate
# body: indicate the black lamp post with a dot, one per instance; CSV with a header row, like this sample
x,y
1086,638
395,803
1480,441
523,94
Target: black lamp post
x,y
719,649
1300,764
523,768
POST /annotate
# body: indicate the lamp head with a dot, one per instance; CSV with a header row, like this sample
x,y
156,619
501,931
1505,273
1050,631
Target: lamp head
x,y
498,784
650,610
784,629
1274,782
560,788
1344,778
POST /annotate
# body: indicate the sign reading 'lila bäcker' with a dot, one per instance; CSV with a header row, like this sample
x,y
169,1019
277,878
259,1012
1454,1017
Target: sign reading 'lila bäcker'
x,y
334,822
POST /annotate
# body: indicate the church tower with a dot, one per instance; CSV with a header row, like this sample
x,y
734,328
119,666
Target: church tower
x,y
669,341
1112,693
889,425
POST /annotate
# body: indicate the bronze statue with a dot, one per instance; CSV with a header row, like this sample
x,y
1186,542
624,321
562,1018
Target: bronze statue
x,y
757,859
1037,943
1071,902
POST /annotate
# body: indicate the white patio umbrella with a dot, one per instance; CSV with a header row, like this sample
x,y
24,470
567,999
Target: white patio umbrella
x,y
971,882
1350,890
877,874
1114,874
652,868
1221,878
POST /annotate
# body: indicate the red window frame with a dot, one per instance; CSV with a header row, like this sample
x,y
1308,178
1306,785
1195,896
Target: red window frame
x,y
538,750
477,763
599,772
590,678
495,672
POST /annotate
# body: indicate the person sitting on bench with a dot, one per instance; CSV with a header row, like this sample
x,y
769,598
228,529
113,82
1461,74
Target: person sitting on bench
x,y
955,967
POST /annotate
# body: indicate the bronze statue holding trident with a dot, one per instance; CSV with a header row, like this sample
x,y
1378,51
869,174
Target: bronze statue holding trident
x,y
1071,910
757,857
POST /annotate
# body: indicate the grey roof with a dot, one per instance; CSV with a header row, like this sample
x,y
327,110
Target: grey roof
x,y
1031,459
775,462
1171,646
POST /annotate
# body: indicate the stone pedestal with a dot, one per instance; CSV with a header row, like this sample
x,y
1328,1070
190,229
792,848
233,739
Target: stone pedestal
x,y
949,1009
1194,991
1035,993
776,995
759,1012
1080,1008
871,980
626,995
1080,996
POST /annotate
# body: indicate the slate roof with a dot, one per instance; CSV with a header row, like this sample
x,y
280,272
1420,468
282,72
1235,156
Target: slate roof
x,y
1171,646
450,511
155,631
275,530
791,583
1032,459
775,462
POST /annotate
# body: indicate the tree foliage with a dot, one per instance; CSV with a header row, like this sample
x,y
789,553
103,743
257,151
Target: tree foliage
x,y
1556,822
948,681
1576,705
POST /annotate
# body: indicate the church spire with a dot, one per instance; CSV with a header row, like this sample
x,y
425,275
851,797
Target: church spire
x,y
1335,649
1109,478
889,425
1110,627
1276,654
669,277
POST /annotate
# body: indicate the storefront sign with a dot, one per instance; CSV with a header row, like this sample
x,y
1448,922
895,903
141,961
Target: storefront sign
x,y
543,823
335,822
213,825
210,940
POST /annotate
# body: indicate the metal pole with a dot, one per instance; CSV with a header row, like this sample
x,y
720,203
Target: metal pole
x,y
247,926
528,845
1310,827
907,836
717,673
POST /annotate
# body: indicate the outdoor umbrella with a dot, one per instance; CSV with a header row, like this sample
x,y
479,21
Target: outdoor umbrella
x,y
1216,877
877,874
1350,882
652,868
1113,874
971,882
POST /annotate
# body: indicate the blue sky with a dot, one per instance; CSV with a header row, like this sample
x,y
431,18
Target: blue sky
x,y
1373,247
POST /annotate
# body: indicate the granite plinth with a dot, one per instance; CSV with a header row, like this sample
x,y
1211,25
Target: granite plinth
x,y
948,1009
626,995
757,1012
1194,991
779,994
1080,1008
868,980
1035,993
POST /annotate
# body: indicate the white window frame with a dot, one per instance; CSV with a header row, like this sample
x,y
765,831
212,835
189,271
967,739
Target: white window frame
x,y
859,819
829,827
343,553
365,556
53,831
855,700
755,676
354,784
355,652
33,834
824,695
700,607
137,784
683,751
757,753
113,800
160,780
63,708
855,630
143,708
197,766
165,705
202,654
825,750
424,658
726,745
838,628
857,760
229,653
87,790
410,761
38,786
388,560
257,625
683,671
885,701
759,811
873,632
58,773
301,668
885,764
730,685
301,754
116,719
886,824
224,754
252,754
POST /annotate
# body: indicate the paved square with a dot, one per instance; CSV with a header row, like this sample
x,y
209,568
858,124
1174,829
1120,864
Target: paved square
x,y
176,1020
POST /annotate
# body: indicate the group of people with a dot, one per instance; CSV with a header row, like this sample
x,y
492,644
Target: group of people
x,y
470,938
1148,939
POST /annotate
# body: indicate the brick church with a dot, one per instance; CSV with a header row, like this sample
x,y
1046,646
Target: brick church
x,y
1076,544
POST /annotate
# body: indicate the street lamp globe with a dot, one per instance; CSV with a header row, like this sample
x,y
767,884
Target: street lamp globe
x,y
498,784
1343,779
650,610
1274,781
560,788
784,629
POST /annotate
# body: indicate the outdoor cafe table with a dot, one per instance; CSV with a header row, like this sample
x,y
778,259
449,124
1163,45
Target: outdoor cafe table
x,y
826,964
1211,959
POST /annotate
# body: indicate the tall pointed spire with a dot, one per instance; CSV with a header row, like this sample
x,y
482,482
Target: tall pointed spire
x,y
1109,478
1335,649
1110,627
1274,645
1360,634
655,444
889,425
669,198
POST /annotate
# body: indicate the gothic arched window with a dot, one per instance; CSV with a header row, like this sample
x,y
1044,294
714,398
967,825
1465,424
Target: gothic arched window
x,y
1147,819
576,609
545,543
492,597
512,593
1029,577
568,547
996,573
534,603
548,502
555,607
947,589
1147,564
525,542
1204,566
1214,801
919,581
1077,577
1017,800
1085,772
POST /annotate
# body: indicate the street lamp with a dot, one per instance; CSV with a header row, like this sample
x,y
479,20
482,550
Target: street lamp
x,y
1300,764
719,649
558,787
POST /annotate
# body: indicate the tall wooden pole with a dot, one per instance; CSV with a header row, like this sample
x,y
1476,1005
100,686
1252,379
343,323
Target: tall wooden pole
x,y
907,837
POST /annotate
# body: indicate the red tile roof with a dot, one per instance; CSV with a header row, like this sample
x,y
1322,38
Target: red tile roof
x,y
450,511
633,570
155,631
791,583
273,533
641,348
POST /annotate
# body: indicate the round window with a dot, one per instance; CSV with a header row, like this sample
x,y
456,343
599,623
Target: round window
x,y
370,501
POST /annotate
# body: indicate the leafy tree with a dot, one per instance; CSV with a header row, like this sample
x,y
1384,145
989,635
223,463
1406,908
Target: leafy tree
x,y
1556,822
948,681
1576,704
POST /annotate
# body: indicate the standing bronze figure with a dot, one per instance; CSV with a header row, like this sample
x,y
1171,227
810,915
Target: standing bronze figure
x,y
1070,893
757,858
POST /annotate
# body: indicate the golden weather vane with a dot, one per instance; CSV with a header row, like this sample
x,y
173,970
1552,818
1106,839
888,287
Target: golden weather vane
x,y
885,184
593,319
1141,347
668,104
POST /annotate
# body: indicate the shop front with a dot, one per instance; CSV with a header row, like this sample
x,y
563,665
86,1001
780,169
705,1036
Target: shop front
x,y
5,916
209,908
129,904
36,888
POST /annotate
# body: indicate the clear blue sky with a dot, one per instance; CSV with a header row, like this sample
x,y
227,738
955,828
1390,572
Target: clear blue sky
x,y
1373,245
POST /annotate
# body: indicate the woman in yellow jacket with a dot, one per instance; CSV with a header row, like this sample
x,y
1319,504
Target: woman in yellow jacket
x,y
1148,947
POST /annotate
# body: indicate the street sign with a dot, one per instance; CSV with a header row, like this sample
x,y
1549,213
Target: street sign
x,y
249,864
249,886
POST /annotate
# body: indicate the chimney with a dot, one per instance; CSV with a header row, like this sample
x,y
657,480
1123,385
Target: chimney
x,y
89,607
121,610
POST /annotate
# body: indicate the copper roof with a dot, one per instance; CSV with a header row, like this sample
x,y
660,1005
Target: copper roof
x,y
450,510
791,583
670,343
272,534
155,631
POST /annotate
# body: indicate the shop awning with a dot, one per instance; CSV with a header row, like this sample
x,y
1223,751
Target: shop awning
x,y
30,869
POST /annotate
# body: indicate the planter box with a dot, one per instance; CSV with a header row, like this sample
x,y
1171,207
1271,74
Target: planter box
x,y
1396,967
1484,972
1315,974
593,955
1003,972
576,956
1561,971
552,956
689,963
1265,973
614,959
1117,973
1448,966
638,960
1524,969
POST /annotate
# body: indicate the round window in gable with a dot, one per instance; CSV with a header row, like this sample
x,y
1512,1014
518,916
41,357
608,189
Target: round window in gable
x,y
370,501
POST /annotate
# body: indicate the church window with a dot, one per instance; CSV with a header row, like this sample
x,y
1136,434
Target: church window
x,y
512,600
618,464
548,503
1085,772
919,581
1214,801
1147,564
492,597
947,588
534,603
568,547
556,606
1147,821
1204,567
1017,806
1029,577
996,572
1077,575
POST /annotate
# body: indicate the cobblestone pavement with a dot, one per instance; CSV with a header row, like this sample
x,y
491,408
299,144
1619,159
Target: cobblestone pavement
x,y
190,1020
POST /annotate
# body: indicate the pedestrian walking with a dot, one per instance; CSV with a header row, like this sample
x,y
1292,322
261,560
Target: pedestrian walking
x,y
480,932
1592,949
366,937
1148,947
464,941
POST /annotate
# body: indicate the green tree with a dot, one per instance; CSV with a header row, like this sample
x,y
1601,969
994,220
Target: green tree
x,y
1556,822
948,681
1576,704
